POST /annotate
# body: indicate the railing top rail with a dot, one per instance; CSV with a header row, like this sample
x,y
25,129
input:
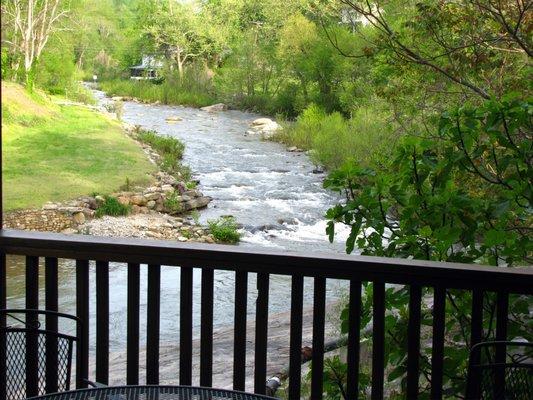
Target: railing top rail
x,y
402,271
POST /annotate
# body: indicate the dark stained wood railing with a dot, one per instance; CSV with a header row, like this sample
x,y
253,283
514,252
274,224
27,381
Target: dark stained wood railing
x,y
208,258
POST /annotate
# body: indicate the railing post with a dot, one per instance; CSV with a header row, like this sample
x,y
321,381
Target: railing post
x,y
102,322
132,357
82,311
319,313
476,332
186,283
437,350
51,298
153,324
32,321
502,316
354,338
295,347
239,343
378,340
261,333
206,333
413,341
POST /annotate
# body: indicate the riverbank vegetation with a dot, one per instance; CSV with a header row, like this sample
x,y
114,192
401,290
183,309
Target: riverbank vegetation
x,y
55,153
224,230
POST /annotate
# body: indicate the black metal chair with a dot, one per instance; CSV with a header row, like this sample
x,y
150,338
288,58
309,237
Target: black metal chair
x,y
35,360
501,370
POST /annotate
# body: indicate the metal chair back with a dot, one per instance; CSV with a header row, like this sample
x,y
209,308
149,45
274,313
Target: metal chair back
x,y
34,360
501,370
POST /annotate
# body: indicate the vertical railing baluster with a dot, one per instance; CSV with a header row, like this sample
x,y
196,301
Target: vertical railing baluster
x,y
51,300
239,343
32,344
132,357
206,333
3,305
354,329
413,341
378,340
102,322
186,282
295,347
476,332
319,312
437,351
153,324
82,311
502,316
261,333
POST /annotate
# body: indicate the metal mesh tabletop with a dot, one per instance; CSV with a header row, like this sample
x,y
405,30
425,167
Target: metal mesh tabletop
x,y
152,393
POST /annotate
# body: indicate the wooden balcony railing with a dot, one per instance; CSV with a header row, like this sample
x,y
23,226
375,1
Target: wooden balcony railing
x,y
381,271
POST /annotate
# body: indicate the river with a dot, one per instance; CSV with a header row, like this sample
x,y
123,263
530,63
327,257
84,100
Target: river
x,y
273,193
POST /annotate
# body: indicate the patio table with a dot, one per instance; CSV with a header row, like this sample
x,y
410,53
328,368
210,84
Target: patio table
x,y
151,393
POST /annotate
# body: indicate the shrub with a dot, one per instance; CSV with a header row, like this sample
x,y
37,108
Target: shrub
x,y
224,230
173,203
111,206
367,137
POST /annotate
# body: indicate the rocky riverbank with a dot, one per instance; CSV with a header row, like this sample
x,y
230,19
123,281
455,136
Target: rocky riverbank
x,y
223,337
157,211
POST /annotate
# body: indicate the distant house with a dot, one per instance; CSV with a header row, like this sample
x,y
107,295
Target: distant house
x,y
147,69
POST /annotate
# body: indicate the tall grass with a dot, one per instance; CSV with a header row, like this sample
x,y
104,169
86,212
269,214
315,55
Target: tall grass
x,y
194,89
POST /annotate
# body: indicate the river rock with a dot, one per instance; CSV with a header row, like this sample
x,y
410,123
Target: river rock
x,y
215,107
153,196
124,200
199,202
173,118
150,204
138,200
50,206
261,121
79,218
265,126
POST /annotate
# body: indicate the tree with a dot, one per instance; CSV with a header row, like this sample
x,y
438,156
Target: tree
x,y
175,30
31,22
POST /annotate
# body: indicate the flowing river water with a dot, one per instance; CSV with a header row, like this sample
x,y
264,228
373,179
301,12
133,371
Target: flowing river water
x,y
273,193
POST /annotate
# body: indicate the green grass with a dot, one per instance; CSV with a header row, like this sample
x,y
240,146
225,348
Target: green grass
x,y
224,230
111,206
66,154
166,93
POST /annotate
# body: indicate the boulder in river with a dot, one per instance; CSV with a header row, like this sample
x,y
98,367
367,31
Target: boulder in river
x,y
215,107
265,126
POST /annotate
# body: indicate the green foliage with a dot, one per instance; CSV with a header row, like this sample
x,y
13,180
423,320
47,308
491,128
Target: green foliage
x,y
111,206
465,197
168,92
173,203
333,140
164,145
224,230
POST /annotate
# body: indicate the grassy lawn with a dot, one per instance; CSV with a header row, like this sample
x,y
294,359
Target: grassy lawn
x,y
68,152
